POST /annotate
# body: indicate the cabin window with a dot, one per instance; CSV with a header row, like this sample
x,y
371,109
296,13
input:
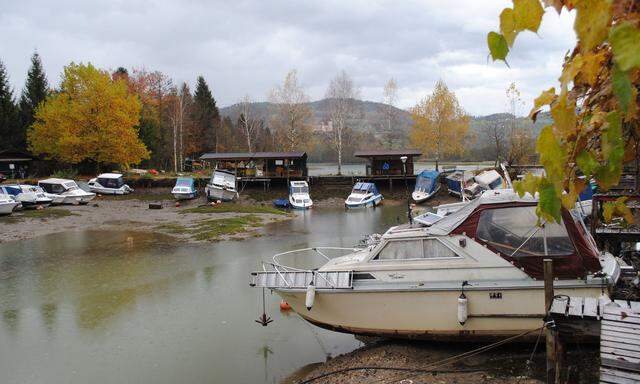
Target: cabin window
x,y
415,249
514,232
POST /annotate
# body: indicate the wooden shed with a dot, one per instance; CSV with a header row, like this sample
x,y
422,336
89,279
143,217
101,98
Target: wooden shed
x,y
15,164
388,162
261,164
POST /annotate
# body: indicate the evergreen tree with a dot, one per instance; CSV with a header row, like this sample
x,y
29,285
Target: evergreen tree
x,y
206,118
8,112
35,92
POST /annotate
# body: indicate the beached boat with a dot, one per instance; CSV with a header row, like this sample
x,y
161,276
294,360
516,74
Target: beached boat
x,y
7,204
184,189
456,182
484,181
476,274
109,184
427,186
28,196
222,186
363,195
65,191
299,195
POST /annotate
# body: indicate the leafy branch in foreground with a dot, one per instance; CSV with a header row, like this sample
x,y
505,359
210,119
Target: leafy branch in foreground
x,y
595,110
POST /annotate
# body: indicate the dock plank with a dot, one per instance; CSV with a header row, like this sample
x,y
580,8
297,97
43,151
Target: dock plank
x,y
575,306
591,307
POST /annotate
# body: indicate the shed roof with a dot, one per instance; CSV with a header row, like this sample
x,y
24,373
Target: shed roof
x,y
387,152
7,155
252,155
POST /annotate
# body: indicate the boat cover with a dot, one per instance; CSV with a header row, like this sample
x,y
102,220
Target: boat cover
x,y
454,181
366,187
427,181
186,182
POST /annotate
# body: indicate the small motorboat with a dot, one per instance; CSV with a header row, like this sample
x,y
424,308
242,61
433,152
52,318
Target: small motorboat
x,y
184,189
299,195
484,181
427,186
456,182
28,195
7,204
281,203
363,195
222,186
109,184
65,191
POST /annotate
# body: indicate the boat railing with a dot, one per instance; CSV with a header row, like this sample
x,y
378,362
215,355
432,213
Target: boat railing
x,y
278,275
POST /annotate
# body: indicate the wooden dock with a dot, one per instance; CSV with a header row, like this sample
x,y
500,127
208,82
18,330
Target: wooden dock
x,y
617,324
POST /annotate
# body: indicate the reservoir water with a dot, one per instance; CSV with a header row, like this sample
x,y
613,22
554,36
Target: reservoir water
x,y
132,307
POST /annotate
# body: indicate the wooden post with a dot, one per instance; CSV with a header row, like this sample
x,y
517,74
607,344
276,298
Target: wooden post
x,y
549,333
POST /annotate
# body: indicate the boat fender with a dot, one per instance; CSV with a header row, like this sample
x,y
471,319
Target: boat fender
x,y
284,306
462,309
311,296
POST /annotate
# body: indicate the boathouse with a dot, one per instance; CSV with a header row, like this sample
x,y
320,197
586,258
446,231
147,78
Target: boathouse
x,y
388,162
260,165
15,163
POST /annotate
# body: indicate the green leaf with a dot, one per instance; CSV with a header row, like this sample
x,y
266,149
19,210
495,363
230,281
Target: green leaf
x,y
549,204
622,88
552,155
508,26
563,112
625,42
587,163
592,21
612,149
527,14
527,185
497,46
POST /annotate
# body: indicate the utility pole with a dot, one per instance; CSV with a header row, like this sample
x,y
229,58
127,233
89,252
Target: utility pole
x,y
550,333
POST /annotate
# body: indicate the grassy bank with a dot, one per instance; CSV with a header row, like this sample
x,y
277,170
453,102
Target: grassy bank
x,y
233,208
214,229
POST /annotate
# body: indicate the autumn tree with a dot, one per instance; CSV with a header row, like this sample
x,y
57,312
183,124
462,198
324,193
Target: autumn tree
x,y
292,113
342,96
248,122
180,105
34,92
519,140
391,134
206,119
494,134
595,126
8,113
440,125
91,117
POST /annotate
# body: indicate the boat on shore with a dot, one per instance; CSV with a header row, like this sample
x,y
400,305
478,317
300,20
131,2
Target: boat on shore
x,y
7,204
363,195
456,181
185,189
476,274
28,196
109,184
299,195
65,191
427,186
484,181
222,186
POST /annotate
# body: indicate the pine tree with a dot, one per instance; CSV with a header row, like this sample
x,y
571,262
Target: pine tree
x,y
206,118
35,92
8,112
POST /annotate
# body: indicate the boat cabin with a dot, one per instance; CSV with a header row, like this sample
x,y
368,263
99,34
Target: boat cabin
x,y
427,181
57,186
111,180
362,188
223,178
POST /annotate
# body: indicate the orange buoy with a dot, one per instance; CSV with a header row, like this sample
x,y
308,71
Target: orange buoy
x,y
177,204
284,306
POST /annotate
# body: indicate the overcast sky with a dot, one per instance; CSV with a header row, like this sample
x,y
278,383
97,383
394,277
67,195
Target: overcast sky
x,y
247,46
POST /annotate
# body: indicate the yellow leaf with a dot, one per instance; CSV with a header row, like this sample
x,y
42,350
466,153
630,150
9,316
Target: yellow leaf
x,y
508,26
546,97
552,156
527,14
592,21
569,72
527,185
564,116
592,63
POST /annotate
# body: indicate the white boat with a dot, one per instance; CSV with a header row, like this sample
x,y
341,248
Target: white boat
x,y
484,181
299,195
109,184
222,186
363,195
7,204
184,189
65,191
28,196
427,186
476,274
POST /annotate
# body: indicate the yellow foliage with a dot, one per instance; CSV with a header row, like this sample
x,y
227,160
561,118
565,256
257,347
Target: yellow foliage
x,y
91,117
440,125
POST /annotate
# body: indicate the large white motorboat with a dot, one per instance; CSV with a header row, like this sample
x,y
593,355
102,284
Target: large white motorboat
x,y
363,195
222,186
65,191
109,184
7,204
28,195
476,274
299,195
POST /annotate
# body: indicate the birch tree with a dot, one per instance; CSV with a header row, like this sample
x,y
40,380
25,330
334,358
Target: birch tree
x,y
248,123
343,107
292,112
177,115
390,112
518,135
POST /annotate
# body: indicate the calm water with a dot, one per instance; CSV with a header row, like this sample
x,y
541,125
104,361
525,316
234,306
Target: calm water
x,y
128,307
321,169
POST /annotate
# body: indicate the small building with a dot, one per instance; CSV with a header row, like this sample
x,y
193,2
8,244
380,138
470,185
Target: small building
x,y
388,162
261,164
15,164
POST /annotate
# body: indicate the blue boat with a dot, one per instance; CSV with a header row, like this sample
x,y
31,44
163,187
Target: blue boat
x,y
427,185
363,195
281,203
184,189
455,183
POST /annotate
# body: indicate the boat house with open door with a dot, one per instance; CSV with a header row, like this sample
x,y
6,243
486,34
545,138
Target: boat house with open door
x,y
260,165
388,162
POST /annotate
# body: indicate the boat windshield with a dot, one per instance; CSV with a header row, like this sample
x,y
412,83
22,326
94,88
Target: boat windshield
x,y
514,231
70,186
225,179
111,183
299,189
424,184
183,183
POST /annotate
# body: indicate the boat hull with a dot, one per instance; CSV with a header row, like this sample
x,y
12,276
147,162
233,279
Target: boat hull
x,y
430,315
7,208
184,196
374,201
111,191
217,193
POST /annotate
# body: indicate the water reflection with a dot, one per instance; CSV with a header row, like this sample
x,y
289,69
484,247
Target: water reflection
x,y
74,305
